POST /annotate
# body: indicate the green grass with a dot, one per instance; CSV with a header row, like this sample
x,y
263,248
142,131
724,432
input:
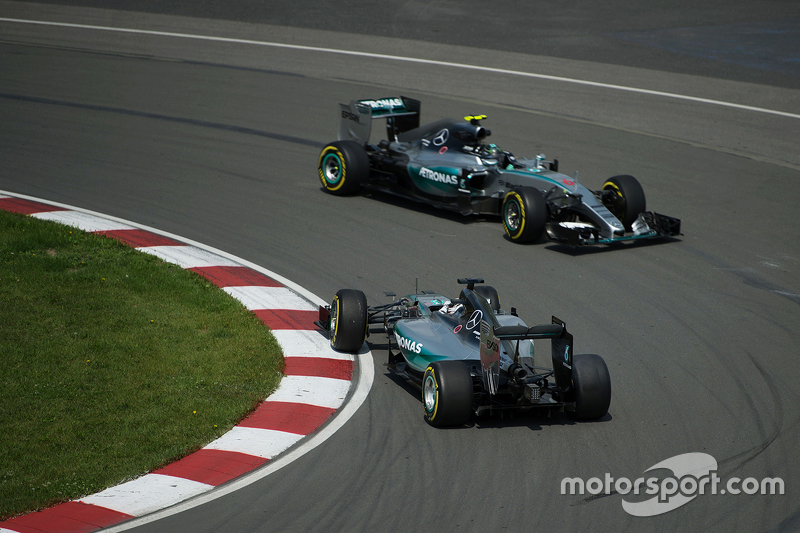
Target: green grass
x,y
112,363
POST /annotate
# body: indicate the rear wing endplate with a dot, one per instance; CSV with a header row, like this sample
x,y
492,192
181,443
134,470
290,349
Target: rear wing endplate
x,y
490,358
560,346
355,119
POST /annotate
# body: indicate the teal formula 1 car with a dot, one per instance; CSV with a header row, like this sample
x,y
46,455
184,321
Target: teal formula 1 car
x,y
468,356
448,164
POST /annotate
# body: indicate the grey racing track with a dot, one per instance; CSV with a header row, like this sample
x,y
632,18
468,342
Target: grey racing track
x,y
217,141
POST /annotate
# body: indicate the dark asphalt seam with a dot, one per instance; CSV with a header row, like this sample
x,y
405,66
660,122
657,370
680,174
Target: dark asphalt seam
x,y
156,116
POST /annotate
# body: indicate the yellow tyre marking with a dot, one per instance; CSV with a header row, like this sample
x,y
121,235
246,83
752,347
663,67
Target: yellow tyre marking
x,y
336,323
342,169
521,215
612,185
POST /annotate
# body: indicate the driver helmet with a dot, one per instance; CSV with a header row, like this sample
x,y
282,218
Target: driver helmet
x,y
493,151
454,309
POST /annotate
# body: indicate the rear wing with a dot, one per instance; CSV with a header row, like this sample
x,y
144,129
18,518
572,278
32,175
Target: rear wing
x,y
355,119
561,349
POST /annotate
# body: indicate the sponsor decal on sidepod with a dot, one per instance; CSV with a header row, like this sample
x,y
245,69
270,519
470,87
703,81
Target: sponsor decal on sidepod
x,y
407,344
440,177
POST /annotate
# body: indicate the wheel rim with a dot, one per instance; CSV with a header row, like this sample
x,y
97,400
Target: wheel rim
x,y
619,206
513,216
429,393
332,169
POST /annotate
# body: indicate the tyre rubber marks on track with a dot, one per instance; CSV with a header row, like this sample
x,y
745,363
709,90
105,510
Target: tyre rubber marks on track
x,y
316,383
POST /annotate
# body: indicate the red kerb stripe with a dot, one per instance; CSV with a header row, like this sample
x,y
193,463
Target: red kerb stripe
x,y
318,367
298,418
233,276
26,207
213,467
70,517
287,319
138,238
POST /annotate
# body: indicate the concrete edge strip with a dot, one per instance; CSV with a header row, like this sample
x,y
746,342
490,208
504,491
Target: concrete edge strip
x,y
322,388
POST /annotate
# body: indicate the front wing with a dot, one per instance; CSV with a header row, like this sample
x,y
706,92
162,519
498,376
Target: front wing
x,y
649,225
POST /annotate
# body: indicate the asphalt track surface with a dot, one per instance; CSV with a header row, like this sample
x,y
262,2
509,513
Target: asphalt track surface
x,y
217,141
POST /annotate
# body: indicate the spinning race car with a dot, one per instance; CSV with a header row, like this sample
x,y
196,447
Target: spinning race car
x,y
468,356
447,164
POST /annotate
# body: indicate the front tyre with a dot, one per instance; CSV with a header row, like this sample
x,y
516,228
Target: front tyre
x,y
447,393
349,313
524,214
343,167
629,199
591,383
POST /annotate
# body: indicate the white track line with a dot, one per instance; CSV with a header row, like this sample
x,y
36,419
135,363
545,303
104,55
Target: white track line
x,y
410,60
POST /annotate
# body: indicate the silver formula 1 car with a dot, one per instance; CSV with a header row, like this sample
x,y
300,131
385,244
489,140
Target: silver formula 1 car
x,y
448,164
468,356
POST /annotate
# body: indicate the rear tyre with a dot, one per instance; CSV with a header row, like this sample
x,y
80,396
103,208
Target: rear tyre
x,y
348,320
490,293
592,385
629,199
343,167
524,214
447,393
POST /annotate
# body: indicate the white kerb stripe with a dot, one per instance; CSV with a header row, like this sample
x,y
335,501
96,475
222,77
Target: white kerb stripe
x,y
188,256
255,298
266,443
82,221
322,392
307,343
147,494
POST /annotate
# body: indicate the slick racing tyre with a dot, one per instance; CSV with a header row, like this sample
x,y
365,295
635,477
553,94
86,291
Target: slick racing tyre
x,y
343,167
490,293
629,199
592,387
447,393
524,214
348,320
